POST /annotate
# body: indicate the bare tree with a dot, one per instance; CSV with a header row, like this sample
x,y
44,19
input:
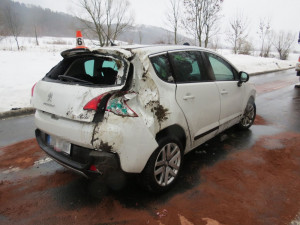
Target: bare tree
x,y
237,33
140,36
201,18
173,17
264,32
13,23
36,35
106,19
283,42
2,33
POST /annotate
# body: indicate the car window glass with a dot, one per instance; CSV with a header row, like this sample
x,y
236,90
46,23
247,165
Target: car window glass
x,y
162,67
222,70
89,67
186,67
110,64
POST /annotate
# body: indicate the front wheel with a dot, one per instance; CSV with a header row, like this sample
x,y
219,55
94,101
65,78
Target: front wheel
x,y
248,117
164,165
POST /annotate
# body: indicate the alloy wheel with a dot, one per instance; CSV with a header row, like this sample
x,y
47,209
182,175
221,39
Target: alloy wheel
x,y
249,115
167,164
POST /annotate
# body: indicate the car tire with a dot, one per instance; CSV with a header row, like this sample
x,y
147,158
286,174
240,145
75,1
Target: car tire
x,y
248,117
164,165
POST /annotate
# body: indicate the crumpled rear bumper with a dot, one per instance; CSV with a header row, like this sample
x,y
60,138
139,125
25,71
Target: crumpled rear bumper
x,y
81,159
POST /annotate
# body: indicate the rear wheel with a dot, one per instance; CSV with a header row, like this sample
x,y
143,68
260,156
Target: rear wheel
x,y
163,167
249,116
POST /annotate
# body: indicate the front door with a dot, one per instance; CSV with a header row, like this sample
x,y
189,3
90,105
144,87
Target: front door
x,y
231,94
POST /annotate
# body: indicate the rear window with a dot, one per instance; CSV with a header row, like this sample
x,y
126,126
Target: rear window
x,y
90,70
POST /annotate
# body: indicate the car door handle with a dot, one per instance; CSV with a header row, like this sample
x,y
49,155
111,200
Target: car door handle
x,y
224,92
187,97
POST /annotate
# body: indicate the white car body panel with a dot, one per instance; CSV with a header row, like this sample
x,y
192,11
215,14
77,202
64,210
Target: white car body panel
x,y
65,100
128,137
200,103
75,132
231,96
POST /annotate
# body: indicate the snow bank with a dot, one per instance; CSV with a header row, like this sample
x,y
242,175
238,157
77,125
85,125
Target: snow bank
x,y
20,70
252,64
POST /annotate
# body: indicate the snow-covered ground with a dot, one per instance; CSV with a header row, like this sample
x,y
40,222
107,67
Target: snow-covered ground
x,y
20,70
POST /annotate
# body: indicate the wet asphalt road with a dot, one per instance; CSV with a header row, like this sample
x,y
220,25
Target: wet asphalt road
x,y
278,103
16,129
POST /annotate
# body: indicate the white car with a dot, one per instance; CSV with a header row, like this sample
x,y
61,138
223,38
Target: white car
x,y
298,67
138,109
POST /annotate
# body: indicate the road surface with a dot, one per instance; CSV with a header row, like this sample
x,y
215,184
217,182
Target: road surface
x,y
250,177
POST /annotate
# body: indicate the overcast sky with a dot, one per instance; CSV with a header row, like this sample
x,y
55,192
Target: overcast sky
x,y
284,14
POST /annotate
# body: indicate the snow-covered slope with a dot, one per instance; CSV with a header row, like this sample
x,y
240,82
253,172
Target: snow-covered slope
x,y
20,70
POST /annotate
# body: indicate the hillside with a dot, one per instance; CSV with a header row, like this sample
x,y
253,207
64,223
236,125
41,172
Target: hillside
x,y
46,22
55,24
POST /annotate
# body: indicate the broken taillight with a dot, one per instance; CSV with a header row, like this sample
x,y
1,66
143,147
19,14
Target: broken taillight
x,y
94,103
93,168
117,104
32,89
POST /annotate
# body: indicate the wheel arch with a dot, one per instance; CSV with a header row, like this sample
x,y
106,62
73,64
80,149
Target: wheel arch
x,y
173,130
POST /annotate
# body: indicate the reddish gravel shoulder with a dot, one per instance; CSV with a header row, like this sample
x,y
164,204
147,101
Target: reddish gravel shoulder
x,y
22,154
260,121
257,186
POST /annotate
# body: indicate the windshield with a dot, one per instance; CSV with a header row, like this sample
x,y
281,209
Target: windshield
x,y
90,70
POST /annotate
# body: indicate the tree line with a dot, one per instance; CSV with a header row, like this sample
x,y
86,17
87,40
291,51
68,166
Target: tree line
x,y
202,20
106,20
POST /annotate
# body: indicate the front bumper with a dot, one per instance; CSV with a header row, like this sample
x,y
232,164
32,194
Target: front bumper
x,y
81,159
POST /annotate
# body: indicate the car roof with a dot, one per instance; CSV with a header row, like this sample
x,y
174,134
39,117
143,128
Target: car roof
x,y
155,49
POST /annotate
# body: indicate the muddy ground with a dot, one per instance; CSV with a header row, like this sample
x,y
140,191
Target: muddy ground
x,y
238,178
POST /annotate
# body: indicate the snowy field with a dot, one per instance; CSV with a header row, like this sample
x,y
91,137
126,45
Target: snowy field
x,y
20,70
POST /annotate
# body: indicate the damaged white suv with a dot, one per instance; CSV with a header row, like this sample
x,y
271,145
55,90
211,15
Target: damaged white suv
x,y
138,109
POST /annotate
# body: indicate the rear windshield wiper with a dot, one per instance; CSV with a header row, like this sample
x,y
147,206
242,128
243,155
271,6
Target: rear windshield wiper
x,y
64,77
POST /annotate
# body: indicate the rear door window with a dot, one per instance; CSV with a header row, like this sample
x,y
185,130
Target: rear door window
x,y
162,68
187,67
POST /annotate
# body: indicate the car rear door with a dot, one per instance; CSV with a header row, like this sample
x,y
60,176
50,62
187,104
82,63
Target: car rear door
x,y
231,95
197,95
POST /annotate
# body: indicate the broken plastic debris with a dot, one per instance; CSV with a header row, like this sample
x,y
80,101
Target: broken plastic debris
x,y
118,106
162,213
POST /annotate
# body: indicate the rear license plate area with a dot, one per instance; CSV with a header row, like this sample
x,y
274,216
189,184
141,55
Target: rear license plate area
x,y
58,144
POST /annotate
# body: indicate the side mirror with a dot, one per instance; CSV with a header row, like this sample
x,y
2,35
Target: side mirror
x,y
243,78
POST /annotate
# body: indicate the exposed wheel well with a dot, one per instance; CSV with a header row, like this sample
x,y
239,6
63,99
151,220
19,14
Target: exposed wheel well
x,y
174,130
